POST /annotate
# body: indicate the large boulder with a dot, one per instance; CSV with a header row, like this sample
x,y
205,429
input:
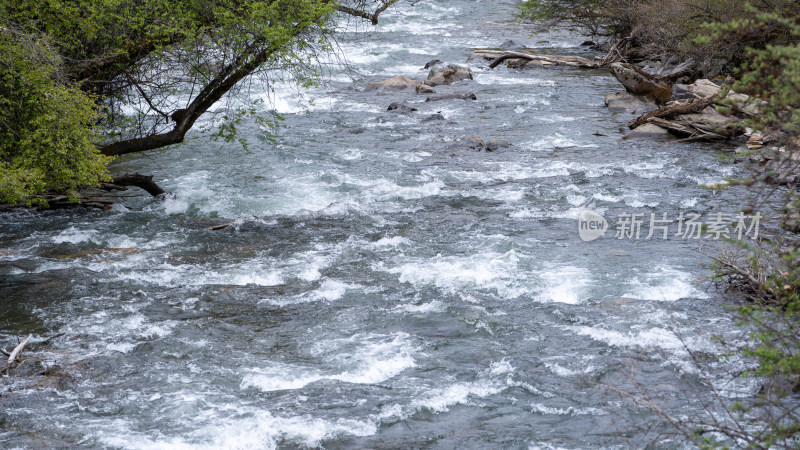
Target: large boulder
x,y
639,82
392,84
447,74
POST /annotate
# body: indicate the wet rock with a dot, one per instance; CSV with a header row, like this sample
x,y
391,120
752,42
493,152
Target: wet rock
x,y
432,63
400,108
647,130
475,143
511,45
639,82
452,96
626,102
471,143
496,144
447,74
433,118
392,84
425,89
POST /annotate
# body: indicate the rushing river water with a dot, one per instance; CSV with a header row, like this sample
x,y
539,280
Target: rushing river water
x,y
395,290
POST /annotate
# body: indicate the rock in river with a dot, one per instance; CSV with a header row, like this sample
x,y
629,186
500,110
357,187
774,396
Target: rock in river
x,y
400,108
392,84
447,74
452,96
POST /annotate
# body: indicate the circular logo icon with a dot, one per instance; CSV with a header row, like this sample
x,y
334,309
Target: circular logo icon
x,y
591,225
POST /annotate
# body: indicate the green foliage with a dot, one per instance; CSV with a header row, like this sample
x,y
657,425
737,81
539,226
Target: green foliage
x,y
64,62
47,127
659,28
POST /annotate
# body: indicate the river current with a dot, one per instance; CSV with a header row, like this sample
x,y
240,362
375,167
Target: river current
x,y
383,285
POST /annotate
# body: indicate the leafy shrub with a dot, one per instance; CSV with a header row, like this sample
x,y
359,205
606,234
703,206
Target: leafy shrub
x,y
47,126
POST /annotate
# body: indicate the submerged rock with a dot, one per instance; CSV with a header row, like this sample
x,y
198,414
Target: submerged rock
x,y
453,96
433,118
392,84
511,45
401,108
496,144
447,74
639,82
476,143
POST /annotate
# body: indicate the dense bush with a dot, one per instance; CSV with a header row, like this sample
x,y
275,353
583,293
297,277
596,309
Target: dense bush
x,y
659,28
47,125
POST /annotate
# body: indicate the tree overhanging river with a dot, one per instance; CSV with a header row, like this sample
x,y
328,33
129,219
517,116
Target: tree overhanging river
x,y
398,287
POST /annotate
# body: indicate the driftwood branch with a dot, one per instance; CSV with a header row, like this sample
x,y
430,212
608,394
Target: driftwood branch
x,y
15,353
5,352
134,179
498,56
677,109
365,15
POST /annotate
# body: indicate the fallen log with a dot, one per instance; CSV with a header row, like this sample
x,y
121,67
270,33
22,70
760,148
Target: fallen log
x,y
141,181
498,56
665,112
15,353
690,133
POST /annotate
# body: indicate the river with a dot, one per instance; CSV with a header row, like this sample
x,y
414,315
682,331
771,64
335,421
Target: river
x,y
382,287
